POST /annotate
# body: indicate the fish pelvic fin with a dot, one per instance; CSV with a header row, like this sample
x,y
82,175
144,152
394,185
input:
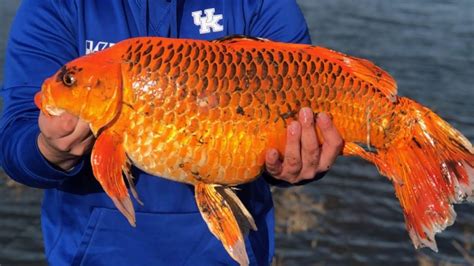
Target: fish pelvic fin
x,y
431,167
108,159
227,218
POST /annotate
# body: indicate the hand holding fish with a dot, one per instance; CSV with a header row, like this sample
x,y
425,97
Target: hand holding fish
x,y
64,139
305,158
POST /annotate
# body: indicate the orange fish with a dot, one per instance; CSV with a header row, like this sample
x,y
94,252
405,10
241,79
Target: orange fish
x,y
204,113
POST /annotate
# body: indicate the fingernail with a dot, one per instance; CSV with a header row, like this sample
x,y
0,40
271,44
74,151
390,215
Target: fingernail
x,y
272,158
323,116
324,121
292,128
275,154
271,154
307,115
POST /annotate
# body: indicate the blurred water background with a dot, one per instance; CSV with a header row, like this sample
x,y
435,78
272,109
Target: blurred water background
x,y
352,216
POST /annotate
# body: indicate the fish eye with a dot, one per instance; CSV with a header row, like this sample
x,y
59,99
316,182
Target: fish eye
x,y
69,79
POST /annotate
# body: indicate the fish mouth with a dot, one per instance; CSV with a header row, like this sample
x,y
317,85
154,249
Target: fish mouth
x,y
54,111
46,109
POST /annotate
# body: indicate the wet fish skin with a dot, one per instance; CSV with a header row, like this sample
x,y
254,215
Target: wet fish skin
x,y
204,113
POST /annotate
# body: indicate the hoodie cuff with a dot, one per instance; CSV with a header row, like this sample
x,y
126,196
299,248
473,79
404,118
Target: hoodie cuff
x,y
38,167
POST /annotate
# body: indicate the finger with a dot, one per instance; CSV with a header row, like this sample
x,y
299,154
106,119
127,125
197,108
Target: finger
x,y
57,126
82,131
310,151
292,157
84,147
51,152
75,142
69,121
273,163
333,142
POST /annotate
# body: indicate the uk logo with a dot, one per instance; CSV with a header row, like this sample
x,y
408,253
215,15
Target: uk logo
x,y
208,23
92,47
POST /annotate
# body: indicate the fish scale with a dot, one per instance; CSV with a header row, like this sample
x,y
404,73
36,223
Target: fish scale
x,y
207,84
204,113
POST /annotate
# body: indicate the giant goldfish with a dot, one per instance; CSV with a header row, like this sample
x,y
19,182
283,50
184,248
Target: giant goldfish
x,y
204,113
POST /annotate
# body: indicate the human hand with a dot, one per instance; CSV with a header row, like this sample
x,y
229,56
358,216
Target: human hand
x,y
304,157
64,139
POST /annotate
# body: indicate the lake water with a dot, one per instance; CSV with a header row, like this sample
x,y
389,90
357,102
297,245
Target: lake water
x,y
352,215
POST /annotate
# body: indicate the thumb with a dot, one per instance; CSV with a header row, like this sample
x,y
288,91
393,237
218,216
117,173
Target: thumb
x,y
273,163
54,127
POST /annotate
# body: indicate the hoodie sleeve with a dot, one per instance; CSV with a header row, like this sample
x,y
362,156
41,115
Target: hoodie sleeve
x,y
280,20
41,40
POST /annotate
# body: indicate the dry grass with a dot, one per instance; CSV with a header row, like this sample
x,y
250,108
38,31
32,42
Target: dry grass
x,y
295,211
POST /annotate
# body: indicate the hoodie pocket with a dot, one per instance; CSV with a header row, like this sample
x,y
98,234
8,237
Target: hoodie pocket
x,y
87,235
158,239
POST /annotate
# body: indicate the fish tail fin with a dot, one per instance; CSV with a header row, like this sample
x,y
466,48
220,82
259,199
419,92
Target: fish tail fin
x,y
431,167
226,217
108,159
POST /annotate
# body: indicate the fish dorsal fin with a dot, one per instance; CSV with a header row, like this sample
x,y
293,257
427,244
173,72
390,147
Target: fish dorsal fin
x,y
237,38
363,69
240,41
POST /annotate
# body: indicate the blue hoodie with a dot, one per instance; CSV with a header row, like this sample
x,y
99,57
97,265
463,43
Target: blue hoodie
x,y
80,224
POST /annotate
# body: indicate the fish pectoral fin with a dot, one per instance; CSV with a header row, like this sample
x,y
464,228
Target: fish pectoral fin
x,y
130,180
226,217
108,159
